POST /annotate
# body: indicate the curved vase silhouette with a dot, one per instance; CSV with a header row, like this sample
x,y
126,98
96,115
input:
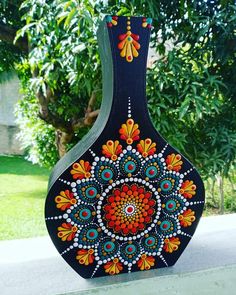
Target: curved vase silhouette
x,y
123,199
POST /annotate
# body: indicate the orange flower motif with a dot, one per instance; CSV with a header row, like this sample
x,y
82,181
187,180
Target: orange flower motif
x,y
146,147
129,131
85,257
65,200
111,149
171,244
129,46
188,189
113,267
187,218
145,262
174,162
66,232
81,170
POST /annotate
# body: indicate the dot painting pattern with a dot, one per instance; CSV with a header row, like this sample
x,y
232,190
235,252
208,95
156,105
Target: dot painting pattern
x,y
129,209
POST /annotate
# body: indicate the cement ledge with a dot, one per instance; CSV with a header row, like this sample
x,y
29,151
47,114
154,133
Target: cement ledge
x,y
220,280
208,266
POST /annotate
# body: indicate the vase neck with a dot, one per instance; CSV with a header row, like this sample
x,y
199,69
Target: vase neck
x,y
128,40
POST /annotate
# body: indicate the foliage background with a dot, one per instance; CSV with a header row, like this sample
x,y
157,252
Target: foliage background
x,y
191,87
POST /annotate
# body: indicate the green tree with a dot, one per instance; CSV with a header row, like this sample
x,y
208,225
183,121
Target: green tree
x,y
191,87
10,53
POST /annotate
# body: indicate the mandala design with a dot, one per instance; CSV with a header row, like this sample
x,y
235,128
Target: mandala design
x,y
128,208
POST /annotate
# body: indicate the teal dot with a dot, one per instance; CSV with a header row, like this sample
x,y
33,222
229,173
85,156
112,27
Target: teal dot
x,y
149,20
91,192
171,205
151,171
108,18
150,241
107,174
85,214
166,185
165,225
130,249
109,246
129,39
130,167
92,234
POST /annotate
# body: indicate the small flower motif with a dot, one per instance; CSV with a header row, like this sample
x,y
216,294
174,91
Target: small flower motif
x,y
174,162
188,189
129,131
113,267
65,200
187,218
146,262
85,257
129,46
66,232
146,147
111,149
147,22
111,20
81,170
171,244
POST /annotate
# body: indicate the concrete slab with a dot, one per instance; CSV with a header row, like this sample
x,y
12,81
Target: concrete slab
x,y
32,266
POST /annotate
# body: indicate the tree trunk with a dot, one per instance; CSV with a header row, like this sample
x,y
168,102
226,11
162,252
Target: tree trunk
x,y
62,139
221,191
231,183
212,190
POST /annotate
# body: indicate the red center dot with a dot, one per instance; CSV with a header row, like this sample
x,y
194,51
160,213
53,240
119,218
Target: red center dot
x,y
149,242
91,192
130,249
130,167
107,174
108,246
129,57
130,209
91,234
165,225
84,213
166,185
170,205
151,172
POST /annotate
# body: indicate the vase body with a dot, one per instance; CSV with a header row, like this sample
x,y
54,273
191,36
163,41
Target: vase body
x,y
123,199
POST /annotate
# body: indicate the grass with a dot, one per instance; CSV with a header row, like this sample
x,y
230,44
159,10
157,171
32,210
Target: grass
x,y
22,196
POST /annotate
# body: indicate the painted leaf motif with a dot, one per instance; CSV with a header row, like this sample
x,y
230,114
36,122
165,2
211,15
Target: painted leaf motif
x,y
187,218
146,147
66,232
111,149
146,262
174,162
171,245
113,267
129,131
65,200
85,257
81,170
188,189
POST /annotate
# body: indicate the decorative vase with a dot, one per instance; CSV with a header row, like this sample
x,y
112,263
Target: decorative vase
x,y
123,199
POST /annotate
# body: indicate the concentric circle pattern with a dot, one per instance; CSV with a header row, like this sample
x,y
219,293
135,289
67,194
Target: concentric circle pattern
x,y
128,209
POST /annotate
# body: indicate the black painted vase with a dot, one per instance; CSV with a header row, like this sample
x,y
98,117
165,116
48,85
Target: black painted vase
x,y
123,200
